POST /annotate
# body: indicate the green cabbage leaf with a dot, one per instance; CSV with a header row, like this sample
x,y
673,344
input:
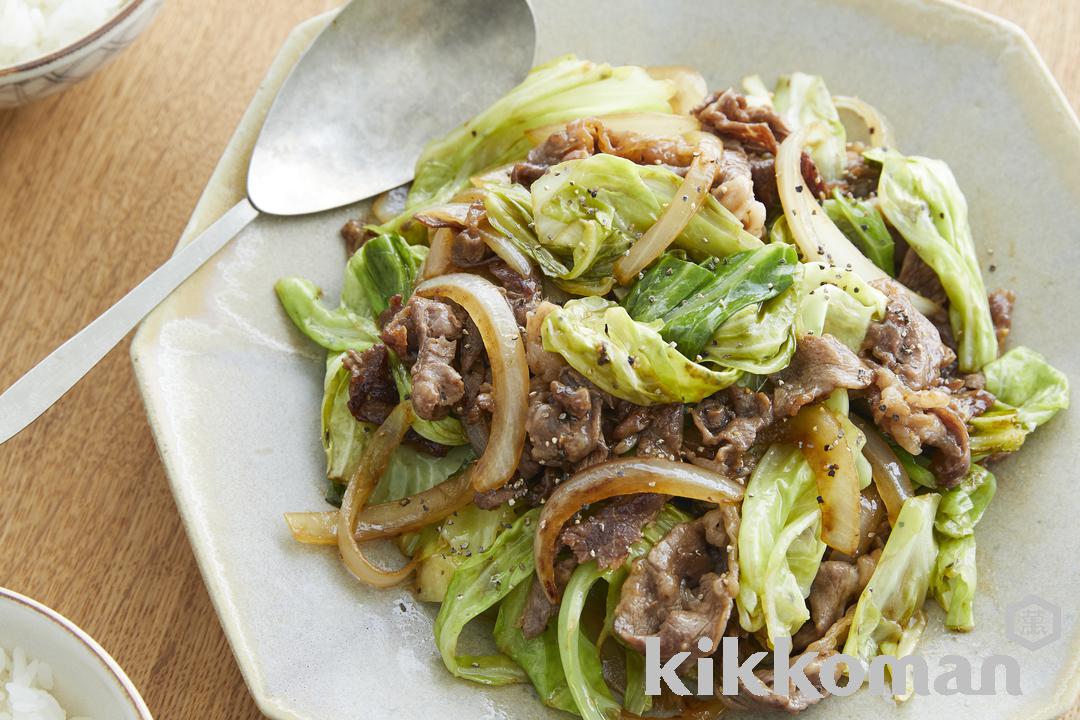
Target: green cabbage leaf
x,y
625,358
921,199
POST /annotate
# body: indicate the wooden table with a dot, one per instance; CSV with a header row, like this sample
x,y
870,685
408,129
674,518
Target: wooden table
x,y
95,187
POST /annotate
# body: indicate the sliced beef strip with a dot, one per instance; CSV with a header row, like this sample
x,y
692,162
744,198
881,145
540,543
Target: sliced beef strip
x,y
860,176
968,395
814,182
564,420
836,586
523,292
372,394
795,700
606,535
432,328
730,421
538,609
573,142
656,430
684,588
728,115
734,188
1001,310
355,234
919,277
820,365
589,136
476,406
436,385
763,172
468,248
905,341
542,363
921,419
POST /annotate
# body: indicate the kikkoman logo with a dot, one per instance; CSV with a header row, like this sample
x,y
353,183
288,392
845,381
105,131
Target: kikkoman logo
x,y
887,675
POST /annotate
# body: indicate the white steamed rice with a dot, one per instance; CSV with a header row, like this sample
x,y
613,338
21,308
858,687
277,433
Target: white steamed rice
x,y
25,687
32,28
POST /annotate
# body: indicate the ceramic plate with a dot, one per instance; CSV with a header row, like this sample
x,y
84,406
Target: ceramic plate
x,y
232,390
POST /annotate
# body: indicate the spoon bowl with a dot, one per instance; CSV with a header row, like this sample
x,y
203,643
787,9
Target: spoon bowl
x,y
376,85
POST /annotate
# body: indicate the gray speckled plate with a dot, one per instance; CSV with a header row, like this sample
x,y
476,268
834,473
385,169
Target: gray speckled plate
x,y
232,390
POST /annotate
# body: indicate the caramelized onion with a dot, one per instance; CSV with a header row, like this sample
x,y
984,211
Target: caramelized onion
x,y
815,234
507,252
416,511
621,477
877,128
313,528
377,456
690,87
686,201
819,435
390,204
438,260
451,215
890,477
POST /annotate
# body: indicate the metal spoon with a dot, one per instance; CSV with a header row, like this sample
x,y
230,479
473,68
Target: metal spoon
x,y
380,80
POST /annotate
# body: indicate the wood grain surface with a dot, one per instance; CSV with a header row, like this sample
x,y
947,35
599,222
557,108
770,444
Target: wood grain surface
x,y
96,185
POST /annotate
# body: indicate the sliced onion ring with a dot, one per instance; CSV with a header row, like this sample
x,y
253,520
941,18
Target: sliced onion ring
x,y
390,204
877,127
690,86
890,477
438,260
815,234
620,477
376,458
313,528
416,511
686,201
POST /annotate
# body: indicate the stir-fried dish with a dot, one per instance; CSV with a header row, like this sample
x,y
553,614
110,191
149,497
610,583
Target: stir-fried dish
x,y
629,360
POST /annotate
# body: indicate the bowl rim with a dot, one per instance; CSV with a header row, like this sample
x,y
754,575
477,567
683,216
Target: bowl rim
x,y
111,666
125,12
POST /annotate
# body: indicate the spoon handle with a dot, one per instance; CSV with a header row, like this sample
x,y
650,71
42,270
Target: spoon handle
x,y
36,391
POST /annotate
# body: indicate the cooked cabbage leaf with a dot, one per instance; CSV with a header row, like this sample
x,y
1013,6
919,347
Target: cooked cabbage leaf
x,y
863,225
1029,392
627,359
758,339
803,99
336,330
479,583
741,280
382,267
779,547
441,548
558,91
588,212
921,199
538,656
963,506
954,580
669,281
838,302
888,614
